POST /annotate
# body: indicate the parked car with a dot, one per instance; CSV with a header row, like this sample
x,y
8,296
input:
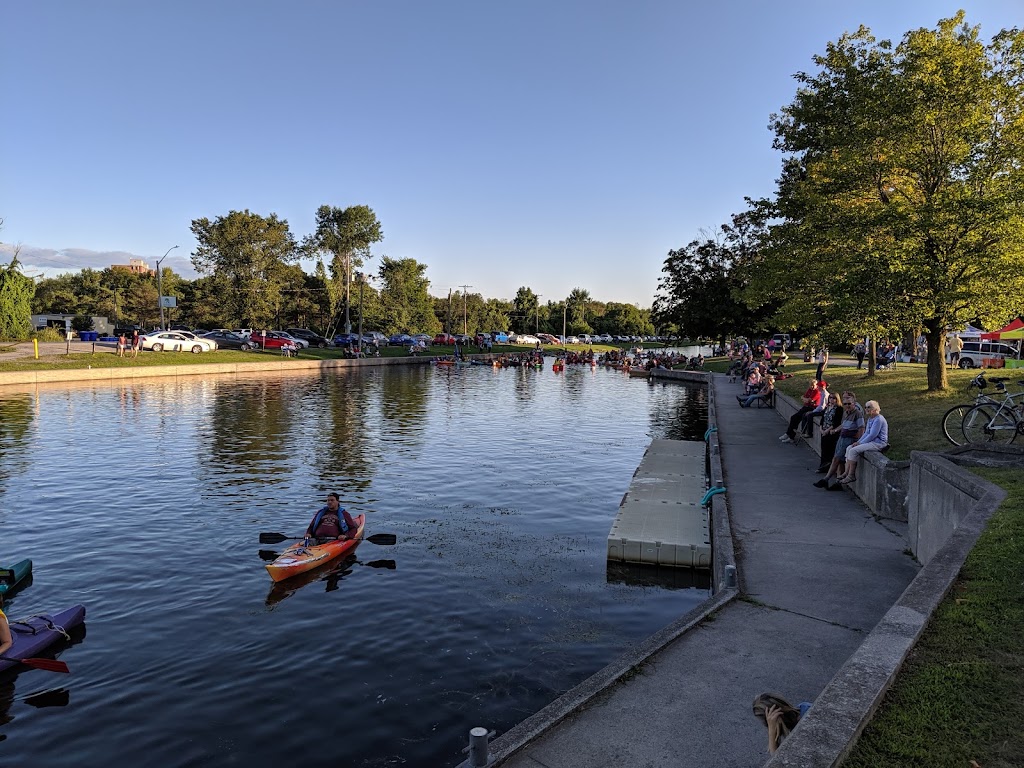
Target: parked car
x,y
975,353
782,341
177,341
572,340
299,343
128,330
400,340
444,338
311,338
499,337
245,333
461,338
345,339
228,340
269,341
377,337
525,338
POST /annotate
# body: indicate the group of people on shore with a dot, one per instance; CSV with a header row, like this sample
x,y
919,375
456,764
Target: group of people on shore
x,y
123,343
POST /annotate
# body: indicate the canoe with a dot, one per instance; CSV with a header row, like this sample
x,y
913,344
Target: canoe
x,y
298,558
444,362
12,576
34,635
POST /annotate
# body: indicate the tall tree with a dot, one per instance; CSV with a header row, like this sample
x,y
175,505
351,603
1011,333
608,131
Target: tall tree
x,y
346,235
901,201
16,291
248,250
526,304
405,304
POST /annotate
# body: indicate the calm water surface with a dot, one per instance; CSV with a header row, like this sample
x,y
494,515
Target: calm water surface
x,y
145,503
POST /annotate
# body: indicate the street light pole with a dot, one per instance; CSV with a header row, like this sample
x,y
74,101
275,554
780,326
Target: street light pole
x,y
362,281
536,327
160,285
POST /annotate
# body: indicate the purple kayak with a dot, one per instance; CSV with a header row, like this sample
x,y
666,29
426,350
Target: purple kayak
x,y
34,635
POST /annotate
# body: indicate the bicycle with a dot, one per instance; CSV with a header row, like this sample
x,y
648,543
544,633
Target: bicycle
x,y
996,422
953,419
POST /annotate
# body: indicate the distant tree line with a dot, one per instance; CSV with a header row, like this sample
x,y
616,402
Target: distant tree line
x,y
250,277
899,209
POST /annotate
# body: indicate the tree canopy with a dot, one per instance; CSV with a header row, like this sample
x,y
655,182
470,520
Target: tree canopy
x,y
901,198
249,253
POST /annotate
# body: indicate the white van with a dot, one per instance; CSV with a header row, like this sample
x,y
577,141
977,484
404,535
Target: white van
x,y
975,353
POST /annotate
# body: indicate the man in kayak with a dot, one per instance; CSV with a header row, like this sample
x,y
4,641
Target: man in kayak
x,y
331,522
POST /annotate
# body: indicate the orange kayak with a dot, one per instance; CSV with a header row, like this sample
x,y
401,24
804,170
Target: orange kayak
x,y
298,558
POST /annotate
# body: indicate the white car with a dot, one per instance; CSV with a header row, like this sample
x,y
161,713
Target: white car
x,y
177,341
524,338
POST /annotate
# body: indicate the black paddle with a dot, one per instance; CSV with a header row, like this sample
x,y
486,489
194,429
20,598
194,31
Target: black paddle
x,y
383,539
50,665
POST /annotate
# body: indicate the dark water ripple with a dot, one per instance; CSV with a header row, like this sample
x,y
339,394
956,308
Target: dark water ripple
x,y
145,502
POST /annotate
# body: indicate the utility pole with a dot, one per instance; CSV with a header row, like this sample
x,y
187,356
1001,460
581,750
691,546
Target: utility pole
x,y
536,327
448,323
362,281
160,286
465,325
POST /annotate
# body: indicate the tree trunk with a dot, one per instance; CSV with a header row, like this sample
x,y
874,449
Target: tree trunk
x,y
937,380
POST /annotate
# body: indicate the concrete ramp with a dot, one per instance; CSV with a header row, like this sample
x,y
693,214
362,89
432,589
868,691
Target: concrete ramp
x,y
660,520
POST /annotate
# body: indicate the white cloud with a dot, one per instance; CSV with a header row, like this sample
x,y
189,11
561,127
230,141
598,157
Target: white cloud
x,y
50,262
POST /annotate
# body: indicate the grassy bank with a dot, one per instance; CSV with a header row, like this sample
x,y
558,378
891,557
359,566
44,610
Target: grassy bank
x,y
105,357
957,701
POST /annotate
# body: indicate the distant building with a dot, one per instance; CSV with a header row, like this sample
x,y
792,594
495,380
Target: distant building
x,y
138,266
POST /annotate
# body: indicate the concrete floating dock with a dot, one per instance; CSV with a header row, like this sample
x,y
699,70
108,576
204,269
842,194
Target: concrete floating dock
x,y
660,520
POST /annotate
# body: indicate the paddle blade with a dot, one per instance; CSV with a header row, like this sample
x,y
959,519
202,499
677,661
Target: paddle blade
x,y
268,555
59,697
387,564
383,539
268,537
50,665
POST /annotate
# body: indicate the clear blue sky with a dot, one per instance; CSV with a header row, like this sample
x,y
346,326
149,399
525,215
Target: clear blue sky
x,y
551,144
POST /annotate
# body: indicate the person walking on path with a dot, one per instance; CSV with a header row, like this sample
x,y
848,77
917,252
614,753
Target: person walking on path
x,y
122,342
822,363
956,346
860,350
136,343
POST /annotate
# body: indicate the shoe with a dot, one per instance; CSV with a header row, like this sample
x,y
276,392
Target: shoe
x,y
848,480
787,439
823,483
784,438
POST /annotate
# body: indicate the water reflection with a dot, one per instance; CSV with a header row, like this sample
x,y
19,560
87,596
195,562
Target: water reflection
x,y
16,415
331,574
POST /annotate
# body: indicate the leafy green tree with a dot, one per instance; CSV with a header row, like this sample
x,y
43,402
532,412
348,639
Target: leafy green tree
x,y
901,201
526,306
406,305
346,235
248,251
624,319
16,292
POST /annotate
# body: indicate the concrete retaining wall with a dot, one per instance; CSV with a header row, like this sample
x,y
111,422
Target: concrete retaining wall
x,y
284,365
964,503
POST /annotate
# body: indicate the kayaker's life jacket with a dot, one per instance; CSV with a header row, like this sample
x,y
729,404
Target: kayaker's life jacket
x,y
319,516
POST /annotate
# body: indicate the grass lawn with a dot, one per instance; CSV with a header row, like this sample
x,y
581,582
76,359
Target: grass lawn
x,y
958,700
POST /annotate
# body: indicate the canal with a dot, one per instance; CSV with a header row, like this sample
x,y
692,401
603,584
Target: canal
x,y
145,502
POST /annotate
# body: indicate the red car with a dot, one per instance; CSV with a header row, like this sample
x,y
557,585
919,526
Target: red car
x,y
270,341
444,338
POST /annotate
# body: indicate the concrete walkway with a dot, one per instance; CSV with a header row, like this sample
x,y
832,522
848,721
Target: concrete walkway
x,y
816,571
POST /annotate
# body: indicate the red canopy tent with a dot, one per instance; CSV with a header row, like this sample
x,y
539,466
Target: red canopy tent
x,y
1013,326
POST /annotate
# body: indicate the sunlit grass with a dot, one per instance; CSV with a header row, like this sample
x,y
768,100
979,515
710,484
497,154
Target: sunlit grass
x,y
957,700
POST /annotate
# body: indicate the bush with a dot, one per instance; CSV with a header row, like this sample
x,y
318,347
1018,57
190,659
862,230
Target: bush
x,y
49,334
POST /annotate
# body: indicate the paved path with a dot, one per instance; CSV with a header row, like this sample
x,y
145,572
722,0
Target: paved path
x,y
817,572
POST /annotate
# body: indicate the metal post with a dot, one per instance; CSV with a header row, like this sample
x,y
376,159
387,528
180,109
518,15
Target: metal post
x,y
478,737
362,281
160,286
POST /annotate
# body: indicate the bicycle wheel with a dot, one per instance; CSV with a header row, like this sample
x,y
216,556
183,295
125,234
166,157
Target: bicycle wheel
x,y
989,424
953,423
